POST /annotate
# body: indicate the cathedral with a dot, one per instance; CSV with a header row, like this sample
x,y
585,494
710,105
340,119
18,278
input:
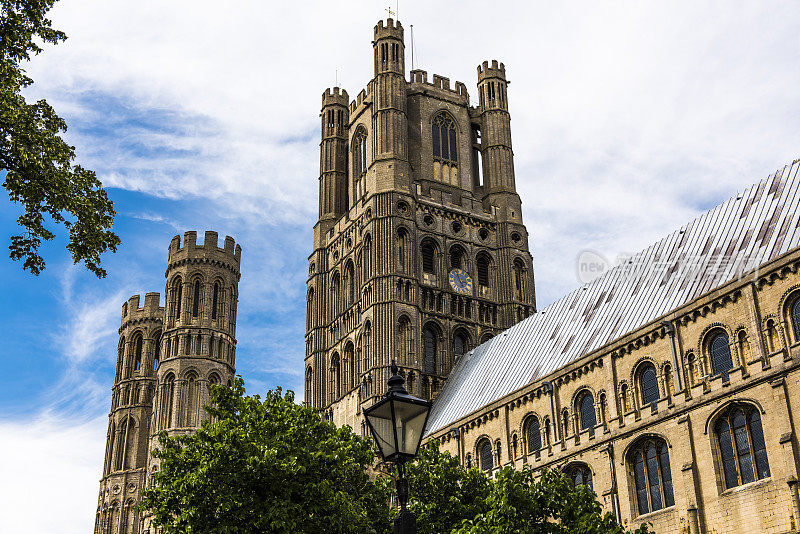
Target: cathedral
x,y
665,384
420,252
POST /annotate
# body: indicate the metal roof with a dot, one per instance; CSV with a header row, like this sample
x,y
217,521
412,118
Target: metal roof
x,y
737,236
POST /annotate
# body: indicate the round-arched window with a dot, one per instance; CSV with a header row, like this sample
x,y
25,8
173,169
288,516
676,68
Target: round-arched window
x,y
720,350
580,475
533,435
486,455
588,415
648,384
652,477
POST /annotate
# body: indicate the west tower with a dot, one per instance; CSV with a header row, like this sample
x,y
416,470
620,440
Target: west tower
x,y
167,358
420,252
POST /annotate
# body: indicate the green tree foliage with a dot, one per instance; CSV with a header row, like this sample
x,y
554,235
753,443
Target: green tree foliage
x,y
37,162
448,497
266,466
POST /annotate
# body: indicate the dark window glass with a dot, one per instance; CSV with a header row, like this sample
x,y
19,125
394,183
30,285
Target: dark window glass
x,y
456,256
726,453
649,385
742,447
483,270
429,340
641,483
459,345
741,444
157,355
428,252
759,448
444,137
721,360
580,475
588,416
178,298
487,458
534,435
138,354
796,319
651,475
196,299
215,301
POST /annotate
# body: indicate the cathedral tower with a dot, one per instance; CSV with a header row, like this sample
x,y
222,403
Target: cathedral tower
x,y
127,441
428,256
167,357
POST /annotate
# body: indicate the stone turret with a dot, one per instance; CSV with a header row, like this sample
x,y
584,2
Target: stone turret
x,y
167,357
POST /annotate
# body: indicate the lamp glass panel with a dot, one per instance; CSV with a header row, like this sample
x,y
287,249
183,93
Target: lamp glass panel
x,y
380,420
410,421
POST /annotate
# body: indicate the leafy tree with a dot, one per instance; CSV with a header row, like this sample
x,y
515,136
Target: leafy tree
x,y
444,492
448,497
39,173
266,466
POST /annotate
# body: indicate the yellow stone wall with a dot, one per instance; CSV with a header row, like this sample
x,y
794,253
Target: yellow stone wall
x,y
765,376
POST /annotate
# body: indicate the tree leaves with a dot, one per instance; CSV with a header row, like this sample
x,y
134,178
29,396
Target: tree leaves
x,y
40,174
266,466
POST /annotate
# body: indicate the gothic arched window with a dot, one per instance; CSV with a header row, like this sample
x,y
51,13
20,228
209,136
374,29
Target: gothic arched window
x,y
720,350
177,296
484,262
429,348
156,350
168,400
652,477
196,299
403,250
309,379
795,319
579,474
310,308
648,384
460,344
533,434
137,352
486,455
215,301
336,377
588,415
192,400
359,151
349,358
405,341
743,452
519,279
350,280
428,257
444,138
457,257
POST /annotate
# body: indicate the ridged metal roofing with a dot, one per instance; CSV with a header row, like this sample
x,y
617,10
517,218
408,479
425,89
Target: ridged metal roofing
x,y
737,236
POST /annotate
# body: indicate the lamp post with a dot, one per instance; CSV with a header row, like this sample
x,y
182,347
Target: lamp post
x,y
397,422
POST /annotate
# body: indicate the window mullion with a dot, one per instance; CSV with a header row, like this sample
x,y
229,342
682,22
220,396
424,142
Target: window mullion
x,y
735,449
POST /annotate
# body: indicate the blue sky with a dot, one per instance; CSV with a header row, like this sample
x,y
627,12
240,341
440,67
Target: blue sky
x,y
628,120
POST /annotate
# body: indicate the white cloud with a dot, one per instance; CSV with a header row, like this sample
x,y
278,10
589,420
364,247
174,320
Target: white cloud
x,y
51,469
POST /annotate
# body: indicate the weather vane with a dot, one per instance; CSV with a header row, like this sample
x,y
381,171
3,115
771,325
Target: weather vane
x,y
396,9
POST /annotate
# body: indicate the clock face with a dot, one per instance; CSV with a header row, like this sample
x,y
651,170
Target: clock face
x,y
460,281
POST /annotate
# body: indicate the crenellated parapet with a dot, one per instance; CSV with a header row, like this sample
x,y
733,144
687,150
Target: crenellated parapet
x,y
419,80
334,96
391,29
495,70
190,253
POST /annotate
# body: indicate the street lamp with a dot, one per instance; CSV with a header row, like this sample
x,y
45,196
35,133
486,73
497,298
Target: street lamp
x,y
397,422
